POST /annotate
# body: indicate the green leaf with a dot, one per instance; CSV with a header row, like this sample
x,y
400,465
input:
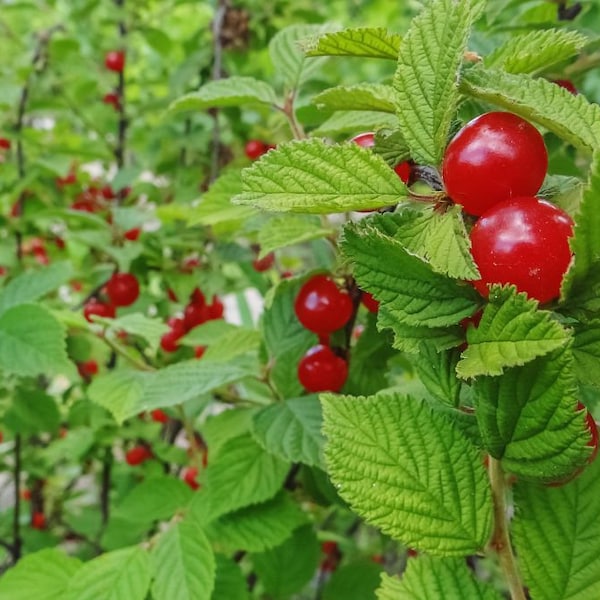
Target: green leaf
x,y
512,332
353,581
439,239
391,146
32,342
291,430
528,418
32,412
120,575
585,242
366,42
257,528
310,176
408,471
32,285
572,118
355,121
43,575
364,96
154,499
410,293
408,338
426,80
230,582
437,372
586,350
288,230
138,324
428,578
240,474
232,91
536,51
297,558
556,532
232,345
184,564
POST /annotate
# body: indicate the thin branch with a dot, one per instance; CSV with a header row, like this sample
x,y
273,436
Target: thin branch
x,y
121,146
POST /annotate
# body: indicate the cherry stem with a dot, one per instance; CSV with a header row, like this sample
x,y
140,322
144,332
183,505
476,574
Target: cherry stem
x,y
500,539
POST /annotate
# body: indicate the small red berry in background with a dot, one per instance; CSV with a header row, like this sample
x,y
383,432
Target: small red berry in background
x,y
107,193
69,179
115,61
494,157
100,309
38,520
190,476
568,85
194,315
369,302
189,264
321,306
123,289
254,149
321,370
87,369
216,309
263,264
132,234
169,342
112,99
137,455
4,144
199,351
524,242
159,416
332,556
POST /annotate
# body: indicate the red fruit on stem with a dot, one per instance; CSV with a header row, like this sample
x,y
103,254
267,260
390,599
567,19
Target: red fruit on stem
x,y
263,264
112,99
321,370
132,234
123,289
4,144
568,85
99,309
366,140
495,157
369,302
190,476
321,306
137,455
87,368
38,520
255,149
159,416
524,242
115,61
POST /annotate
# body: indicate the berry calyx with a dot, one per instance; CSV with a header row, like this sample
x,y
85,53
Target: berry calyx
x,y
190,477
137,455
523,242
495,157
254,149
369,302
99,309
321,306
115,61
123,289
321,370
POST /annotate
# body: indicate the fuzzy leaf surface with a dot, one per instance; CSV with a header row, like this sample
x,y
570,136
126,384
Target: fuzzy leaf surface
x,y
365,42
586,350
364,96
408,471
437,372
310,176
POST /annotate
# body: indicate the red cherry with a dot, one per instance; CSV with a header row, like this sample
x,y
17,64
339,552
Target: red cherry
x,y
494,157
369,302
216,309
4,144
137,455
87,368
190,476
115,61
159,416
199,351
366,140
41,256
132,234
85,205
403,171
38,520
69,179
197,297
568,85
194,315
169,341
255,149
321,306
264,264
112,99
123,289
524,242
107,193
320,370
99,309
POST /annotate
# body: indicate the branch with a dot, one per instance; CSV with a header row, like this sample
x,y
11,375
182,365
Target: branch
x,y
16,525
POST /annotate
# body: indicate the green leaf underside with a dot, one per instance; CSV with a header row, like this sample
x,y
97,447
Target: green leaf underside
x,y
528,418
428,578
586,350
241,474
572,118
361,42
256,528
184,564
535,51
364,96
320,179
556,532
119,575
291,430
280,232
43,575
352,122
409,291
512,332
439,239
426,81
409,471
232,91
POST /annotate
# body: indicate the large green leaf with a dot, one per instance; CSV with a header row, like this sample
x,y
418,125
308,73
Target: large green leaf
x,y
437,372
556,532
311,176
365,42
586,349
426,80
357,97
230,582
288,230
43,575
409,471
184,564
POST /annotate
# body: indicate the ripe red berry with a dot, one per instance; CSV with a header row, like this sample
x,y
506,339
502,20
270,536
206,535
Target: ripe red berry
x,y
190,476
321,370
169,341
38,520
197,297
99,309
69,179
132,234
369,302
524,242
321,306
263,264
123,289
216,309
496,156
199,351
87,368
115,61
403,171
568,85
112,99
137,455
255,149
159,416
4,143
366,140
108,193
194,315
